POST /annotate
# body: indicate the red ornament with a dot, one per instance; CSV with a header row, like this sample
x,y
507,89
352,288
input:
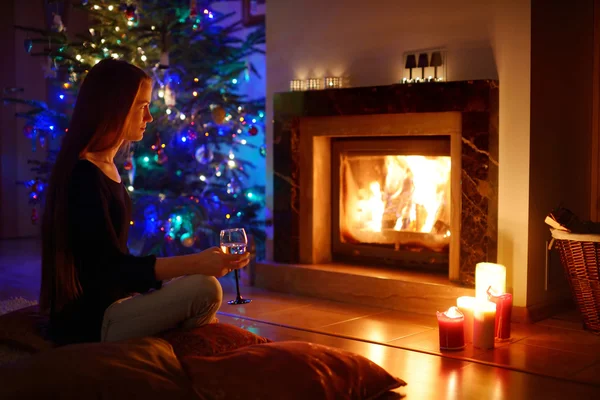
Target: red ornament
x,y
130,11
253,131
161,157
128,165
193,8
34,216
28,131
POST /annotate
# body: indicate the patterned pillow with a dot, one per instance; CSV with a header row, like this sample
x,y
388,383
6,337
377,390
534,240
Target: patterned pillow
x,y
210,339
288,370
25,329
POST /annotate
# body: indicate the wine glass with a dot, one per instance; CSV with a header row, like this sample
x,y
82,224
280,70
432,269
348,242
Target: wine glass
x,y
234,241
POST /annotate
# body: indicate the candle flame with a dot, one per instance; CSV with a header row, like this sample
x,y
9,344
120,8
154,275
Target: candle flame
x,y
453,312
493,292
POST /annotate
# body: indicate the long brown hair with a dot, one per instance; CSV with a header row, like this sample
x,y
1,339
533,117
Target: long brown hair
x,y
98,124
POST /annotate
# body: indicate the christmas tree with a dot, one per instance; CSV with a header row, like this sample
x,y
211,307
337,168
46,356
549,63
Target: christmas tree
x,y
185,179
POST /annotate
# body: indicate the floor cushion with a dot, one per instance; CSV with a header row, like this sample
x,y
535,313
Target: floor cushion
x,y
210,339
144,368
288,370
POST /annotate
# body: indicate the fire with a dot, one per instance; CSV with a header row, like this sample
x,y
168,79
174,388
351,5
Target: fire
x,y
396,193
373,208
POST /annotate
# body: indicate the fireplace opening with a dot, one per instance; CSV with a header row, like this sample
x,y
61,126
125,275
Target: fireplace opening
x,y
391,201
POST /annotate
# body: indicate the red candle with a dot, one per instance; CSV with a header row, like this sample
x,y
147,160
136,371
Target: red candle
x,y
503,313
452,326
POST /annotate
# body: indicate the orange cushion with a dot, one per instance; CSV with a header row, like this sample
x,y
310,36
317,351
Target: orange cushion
x,y
25,329
143,368
210,339
288,370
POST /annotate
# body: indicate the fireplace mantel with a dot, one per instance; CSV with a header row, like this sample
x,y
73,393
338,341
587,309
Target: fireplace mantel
x,y
304,123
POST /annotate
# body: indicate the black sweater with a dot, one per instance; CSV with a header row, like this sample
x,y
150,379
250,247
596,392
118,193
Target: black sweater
x,y
99,211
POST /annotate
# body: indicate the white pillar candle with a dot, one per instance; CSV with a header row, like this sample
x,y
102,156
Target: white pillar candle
x,y
484,322
489,274
466,305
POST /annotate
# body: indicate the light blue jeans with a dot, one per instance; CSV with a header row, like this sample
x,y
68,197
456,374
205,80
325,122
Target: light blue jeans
x,y
187,302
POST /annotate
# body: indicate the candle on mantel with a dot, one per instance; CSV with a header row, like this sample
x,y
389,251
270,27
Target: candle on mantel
x,y
489,274
503,313
466,305
484,320
451,326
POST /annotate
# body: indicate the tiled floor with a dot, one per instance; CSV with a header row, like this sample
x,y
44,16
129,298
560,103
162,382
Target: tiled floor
x,y
432,377
551,359
557,347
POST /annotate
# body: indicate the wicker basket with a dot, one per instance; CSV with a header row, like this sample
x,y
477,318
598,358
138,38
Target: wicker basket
x,y
580,257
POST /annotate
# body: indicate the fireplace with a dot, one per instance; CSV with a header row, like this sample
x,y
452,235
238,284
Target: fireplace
x,y
391,201
334,149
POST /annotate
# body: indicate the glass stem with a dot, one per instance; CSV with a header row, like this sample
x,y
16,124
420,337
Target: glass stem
x,y
237,284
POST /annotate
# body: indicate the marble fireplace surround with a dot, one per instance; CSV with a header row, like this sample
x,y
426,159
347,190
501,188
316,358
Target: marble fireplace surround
x,y
305,122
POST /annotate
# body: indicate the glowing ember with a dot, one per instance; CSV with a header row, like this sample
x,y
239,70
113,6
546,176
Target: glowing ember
x,y
385,195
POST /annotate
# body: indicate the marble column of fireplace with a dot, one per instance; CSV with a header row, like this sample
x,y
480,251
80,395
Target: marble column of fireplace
x,y
305,122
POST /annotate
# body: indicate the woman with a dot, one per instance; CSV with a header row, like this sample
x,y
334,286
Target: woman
x,y
91,284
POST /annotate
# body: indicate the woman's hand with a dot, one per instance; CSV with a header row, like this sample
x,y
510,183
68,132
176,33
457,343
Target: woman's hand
x,y
214,262
210,262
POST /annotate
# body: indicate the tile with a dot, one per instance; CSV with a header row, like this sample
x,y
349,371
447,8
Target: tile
x,y
228,284
590,374
427,376
427,320
432,377
272,332
380,328
429,341
522,330
262,302
279,333
562,323
308,317
257,307
477,381
578,341
348,308
535,359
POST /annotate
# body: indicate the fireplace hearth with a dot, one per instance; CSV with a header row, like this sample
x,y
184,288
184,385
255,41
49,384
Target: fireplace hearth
x,y
361,176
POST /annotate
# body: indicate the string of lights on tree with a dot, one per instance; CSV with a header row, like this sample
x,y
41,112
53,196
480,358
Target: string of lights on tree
x,y
185,177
